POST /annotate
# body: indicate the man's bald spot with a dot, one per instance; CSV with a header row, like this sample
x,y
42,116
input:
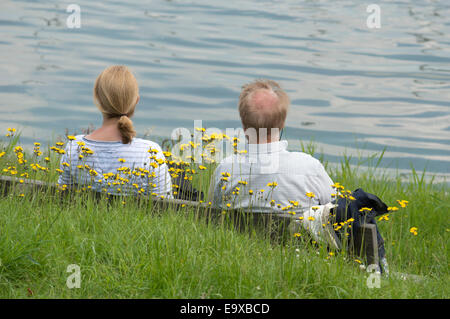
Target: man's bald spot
x,y
263,100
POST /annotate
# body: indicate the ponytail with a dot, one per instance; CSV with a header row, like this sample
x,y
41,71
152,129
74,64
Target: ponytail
x,y
116,94
126,129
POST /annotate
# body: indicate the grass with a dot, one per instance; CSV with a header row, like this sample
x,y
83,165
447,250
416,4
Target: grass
x,y
135,251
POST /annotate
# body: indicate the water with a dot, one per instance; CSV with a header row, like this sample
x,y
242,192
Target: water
x,y
351,87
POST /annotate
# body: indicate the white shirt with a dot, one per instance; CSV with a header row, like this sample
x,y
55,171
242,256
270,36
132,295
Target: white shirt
x,y
149,175
295,174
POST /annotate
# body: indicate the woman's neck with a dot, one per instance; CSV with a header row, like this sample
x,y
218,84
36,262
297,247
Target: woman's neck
x,y
109,131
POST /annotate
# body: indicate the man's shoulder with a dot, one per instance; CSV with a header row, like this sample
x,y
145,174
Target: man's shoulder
x,y
230,161
302,157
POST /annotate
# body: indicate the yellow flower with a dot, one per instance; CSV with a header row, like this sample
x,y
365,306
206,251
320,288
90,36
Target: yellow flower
x,y
228,205
250,192
311,218
402,203
71,137
314,208
273,184
122,160
297,235
337,186
414,231
394,208
201,167
365,209
2,154
310,194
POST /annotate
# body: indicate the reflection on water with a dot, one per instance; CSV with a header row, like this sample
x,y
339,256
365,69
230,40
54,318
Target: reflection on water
x,y
388,87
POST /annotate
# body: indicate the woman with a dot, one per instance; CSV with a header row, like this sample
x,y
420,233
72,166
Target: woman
x,y
111,159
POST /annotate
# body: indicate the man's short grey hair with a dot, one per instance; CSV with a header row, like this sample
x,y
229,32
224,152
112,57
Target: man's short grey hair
x,y
252,118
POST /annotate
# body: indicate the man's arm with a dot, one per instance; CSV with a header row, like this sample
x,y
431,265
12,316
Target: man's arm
x,y
324,186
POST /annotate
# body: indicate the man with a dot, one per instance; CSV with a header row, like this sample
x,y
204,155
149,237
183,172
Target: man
x,y
269,177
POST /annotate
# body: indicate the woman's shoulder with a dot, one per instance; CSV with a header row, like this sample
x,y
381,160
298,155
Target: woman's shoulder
x,y
140,142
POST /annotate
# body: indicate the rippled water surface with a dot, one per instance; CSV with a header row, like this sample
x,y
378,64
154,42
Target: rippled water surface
x,y
351,87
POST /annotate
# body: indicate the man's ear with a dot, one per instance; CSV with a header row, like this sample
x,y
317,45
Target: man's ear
x,y
137,100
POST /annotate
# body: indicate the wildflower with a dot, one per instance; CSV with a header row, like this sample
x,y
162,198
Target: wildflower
x,y
414,231
337,186
385,217
228,205
402,203
2,154
65,164
201,167
393,209
71,137
297,235
358,261
314,208
365,209
273,184
122,160
47,159
250,192
311,218
310,194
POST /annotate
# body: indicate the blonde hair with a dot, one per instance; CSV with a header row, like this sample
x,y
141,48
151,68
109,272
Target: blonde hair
x,y
115,93
252,118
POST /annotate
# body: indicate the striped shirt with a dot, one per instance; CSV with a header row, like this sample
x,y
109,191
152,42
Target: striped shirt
x,y
116,168
270,178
